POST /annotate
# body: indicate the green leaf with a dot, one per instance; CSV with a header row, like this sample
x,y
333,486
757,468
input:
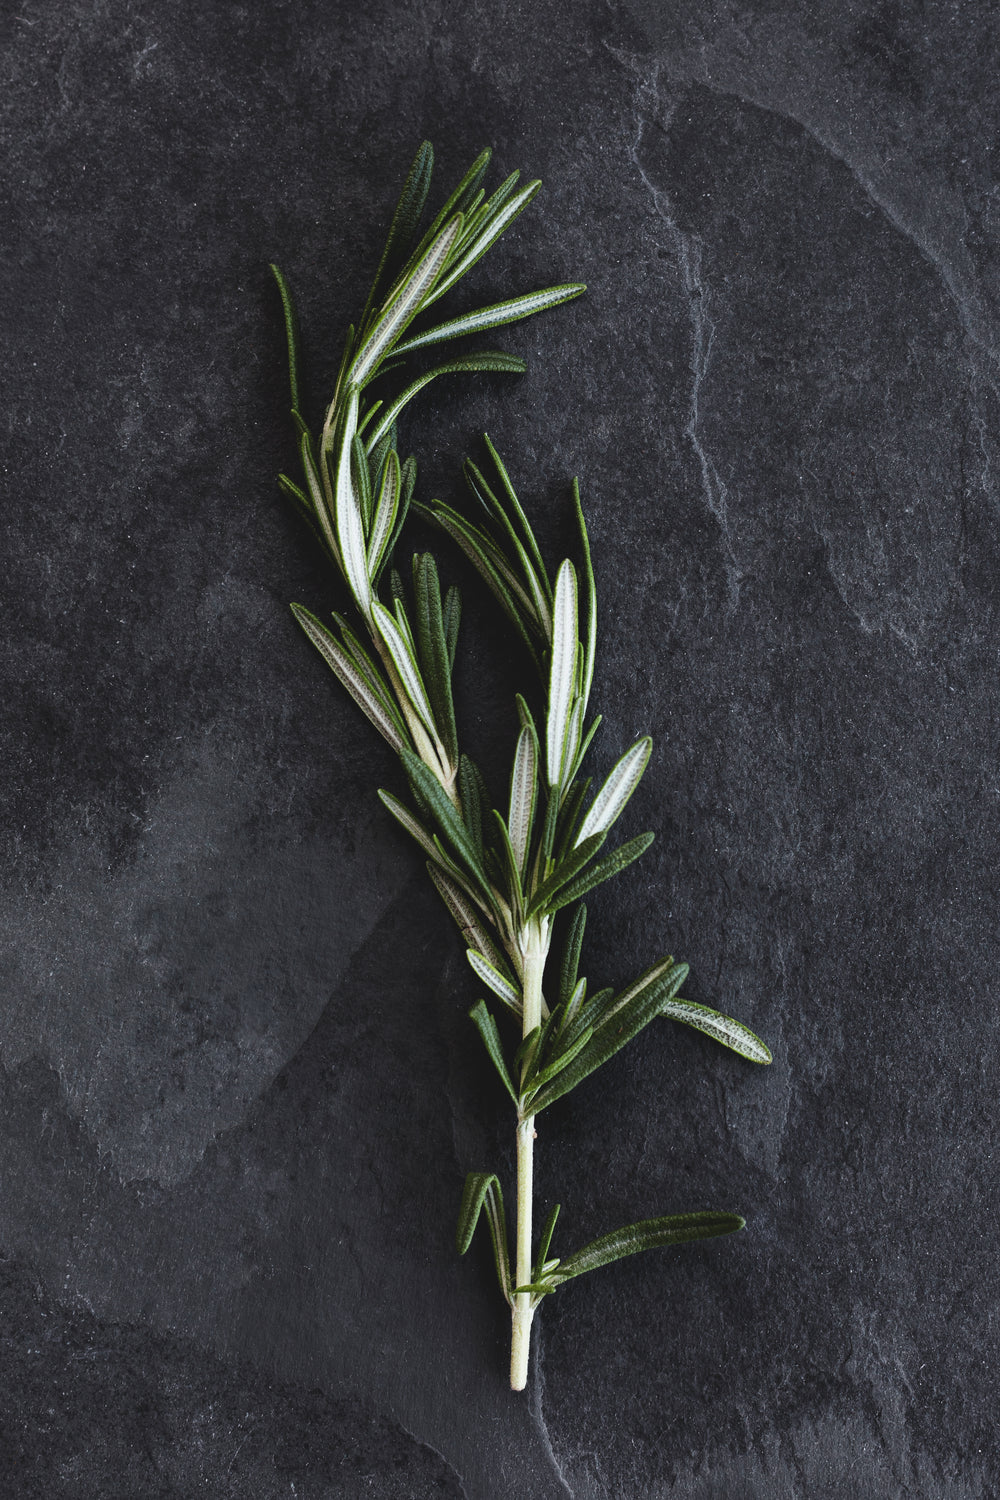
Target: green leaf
x,y
457,203
665,970
432,649
603,870
482,1190
536,584
472,804
406,217
546,1240
622,781
731,1033
452,620
405,818
487,1028
404,303
500,983
461,904
648,1234
318,497
523,796
602,1046
491,230
361,478
569,817
301,501
490,564
494,316
337,658
561,672
590,644
570,966
350,532
556,1065
526,1052
372,674
542,898
527,534
291,334
407,480
487,360
386,510
447,818
402,659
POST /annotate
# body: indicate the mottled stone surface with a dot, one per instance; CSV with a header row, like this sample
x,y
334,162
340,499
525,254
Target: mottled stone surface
x,y
238,1093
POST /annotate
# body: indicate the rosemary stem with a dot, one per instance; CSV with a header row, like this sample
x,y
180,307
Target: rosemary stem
x,y
536,952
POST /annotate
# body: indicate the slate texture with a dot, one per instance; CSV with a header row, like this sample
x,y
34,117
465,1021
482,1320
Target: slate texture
x,y
238,1093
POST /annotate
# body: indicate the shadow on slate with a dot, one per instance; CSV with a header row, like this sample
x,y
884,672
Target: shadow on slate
x,y
94,1408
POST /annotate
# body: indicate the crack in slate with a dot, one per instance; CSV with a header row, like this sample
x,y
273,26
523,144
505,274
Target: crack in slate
x,y
538,1416
688,252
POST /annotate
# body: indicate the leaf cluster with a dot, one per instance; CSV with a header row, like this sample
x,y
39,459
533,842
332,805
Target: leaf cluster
x,y
504,867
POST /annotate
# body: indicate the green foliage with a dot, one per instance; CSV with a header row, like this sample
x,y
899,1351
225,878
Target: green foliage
x,y
503,873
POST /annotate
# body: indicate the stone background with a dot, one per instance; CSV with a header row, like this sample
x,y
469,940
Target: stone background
x,y
238,1092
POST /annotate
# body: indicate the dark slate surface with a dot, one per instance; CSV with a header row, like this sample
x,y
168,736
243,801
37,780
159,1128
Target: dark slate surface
x,y
238,1091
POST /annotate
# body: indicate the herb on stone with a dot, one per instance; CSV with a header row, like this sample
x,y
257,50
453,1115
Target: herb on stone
x,y
505,874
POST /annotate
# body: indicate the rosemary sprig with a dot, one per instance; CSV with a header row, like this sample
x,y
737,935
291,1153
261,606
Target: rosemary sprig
x,y
504,874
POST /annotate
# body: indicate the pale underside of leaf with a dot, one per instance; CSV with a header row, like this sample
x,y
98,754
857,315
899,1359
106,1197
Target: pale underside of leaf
x,y
617,789
498,983
562,671
404,302
725,1029
494,316
337,658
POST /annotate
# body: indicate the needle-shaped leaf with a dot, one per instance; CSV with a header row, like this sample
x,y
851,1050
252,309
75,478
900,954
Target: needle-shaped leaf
x,y
470,796
648,1234
386,509
318,497
603,870
489,232
607,806
482,1190
600,1047
402,659
536,583
469,920
452,620
447,818
432,650
528,536
406,217
561,671
337,658
291,334
361,478
484,1023
494,316
491,566
350,531
570,966
488,360
546,1240
458,202
412,825
300,499
566,871
501,985
404,302
731,1033
523,795
590,642
559,1062
371,673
